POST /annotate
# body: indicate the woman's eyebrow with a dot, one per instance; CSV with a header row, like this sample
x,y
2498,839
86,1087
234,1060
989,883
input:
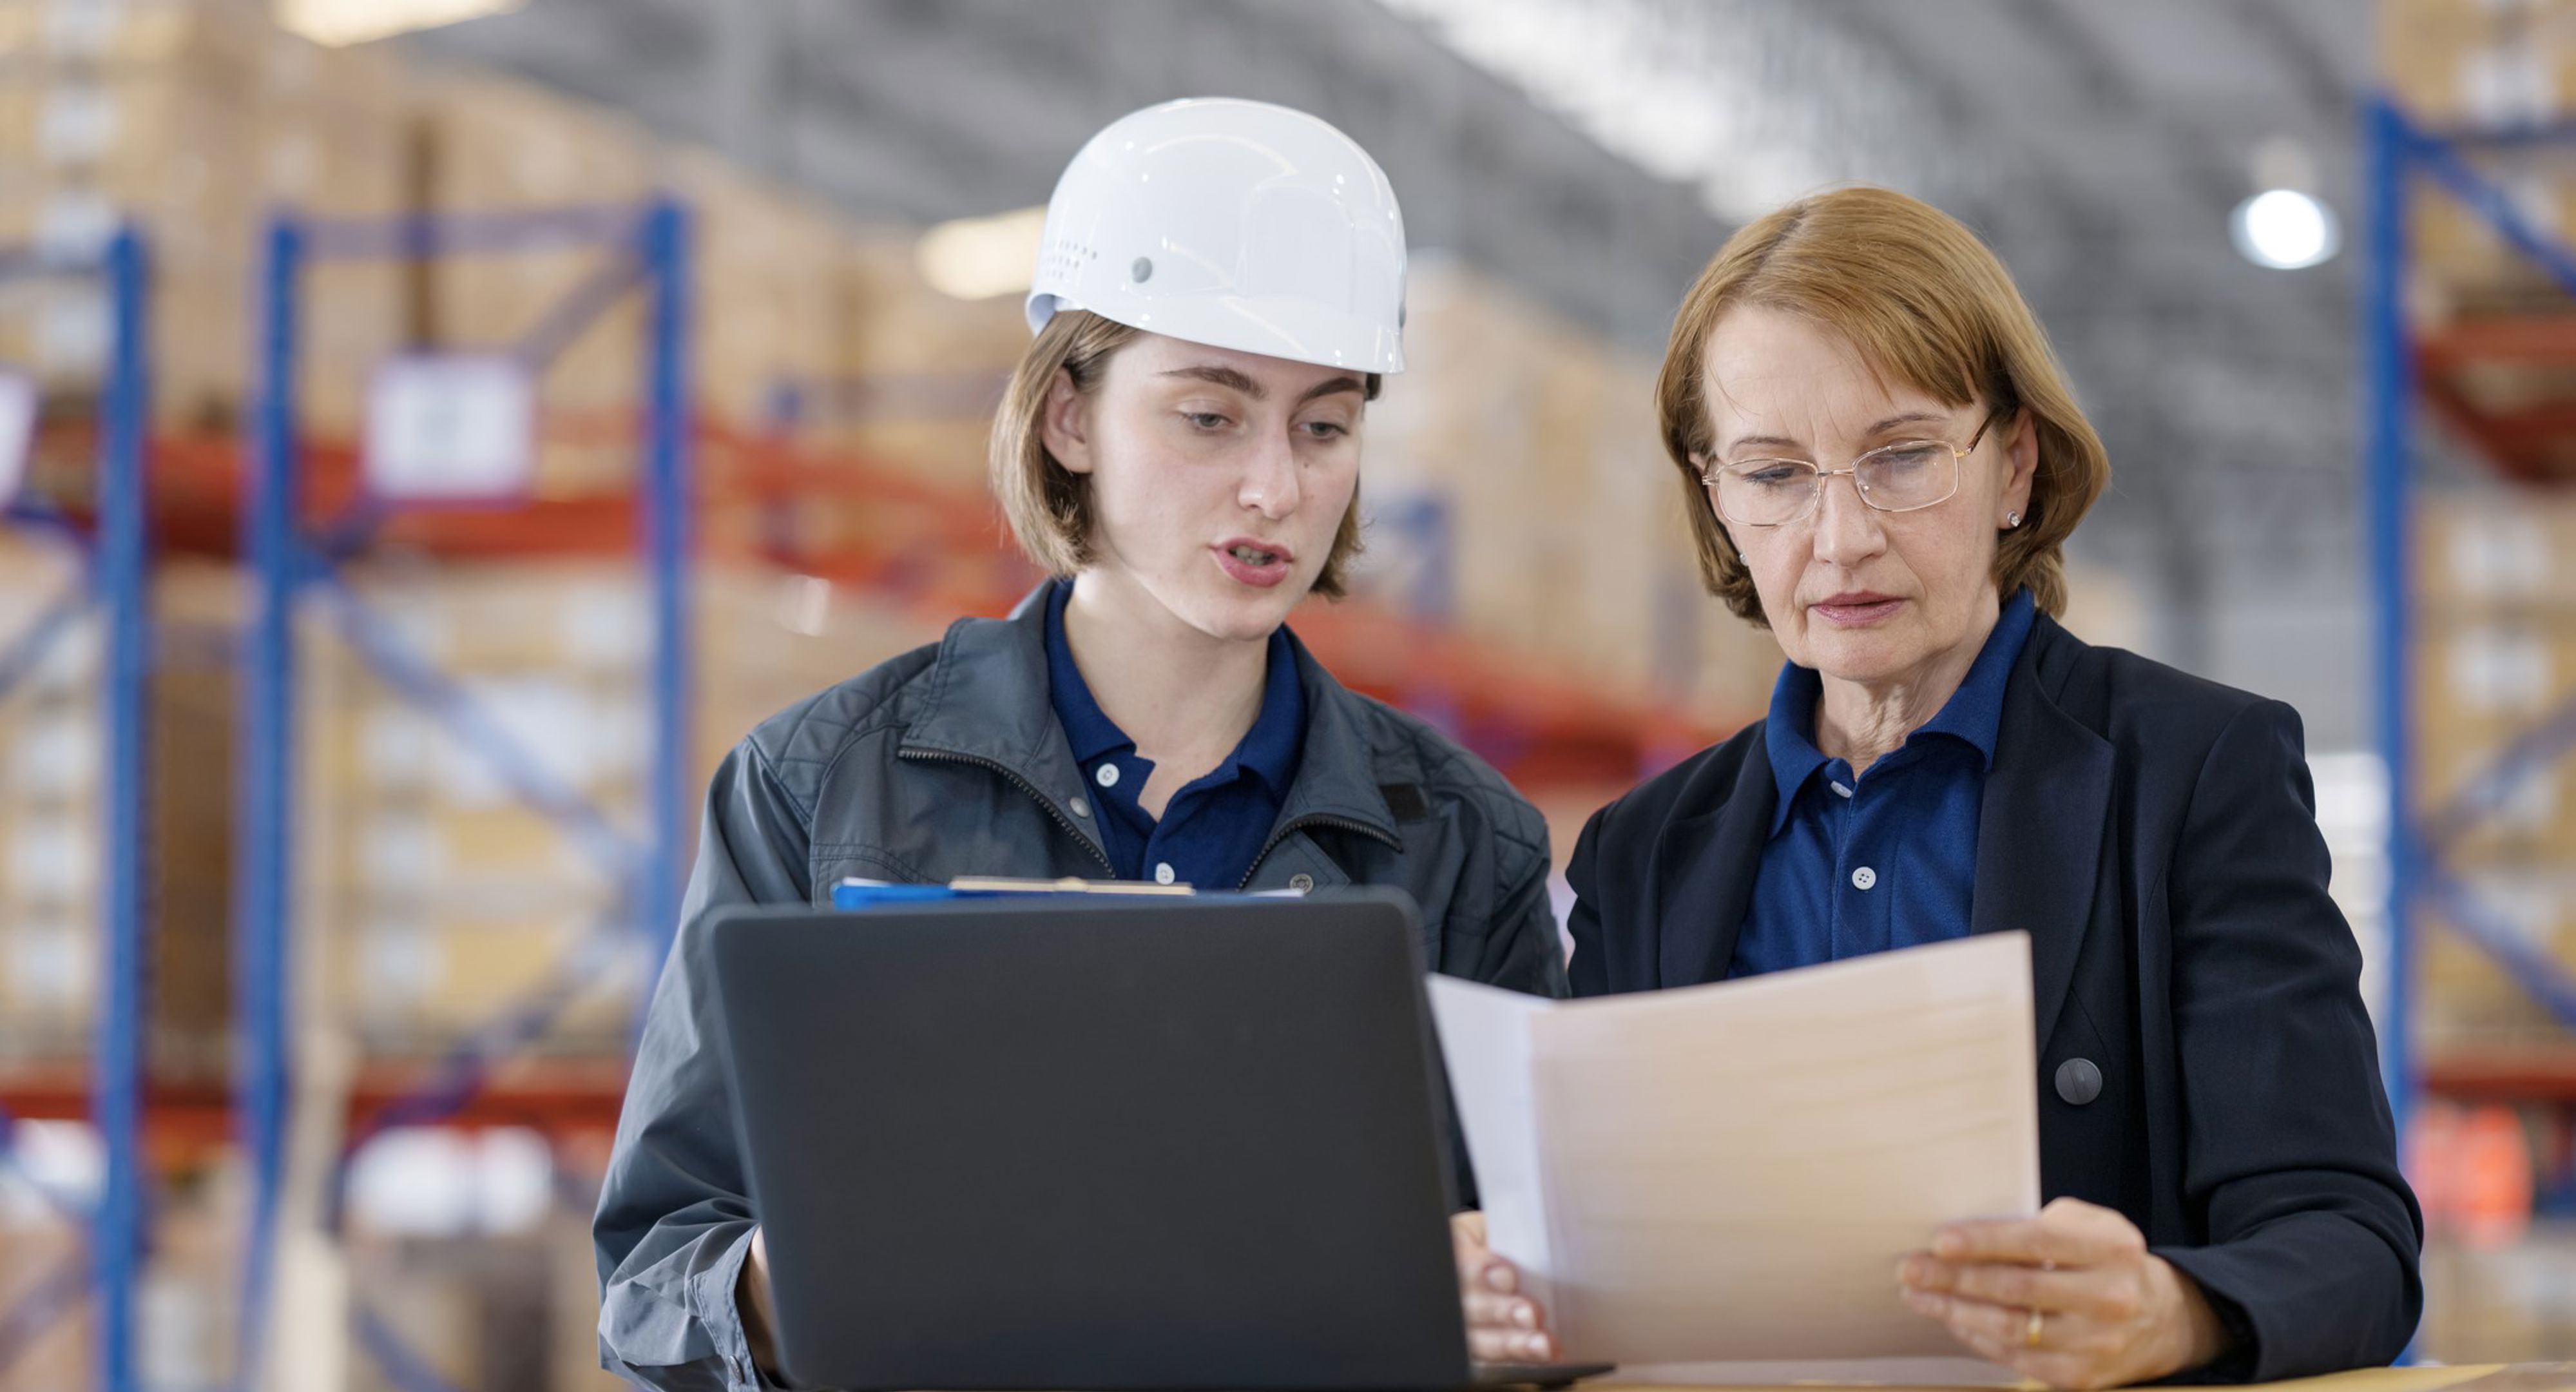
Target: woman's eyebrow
x,y
1879,428
1329,386
1222,376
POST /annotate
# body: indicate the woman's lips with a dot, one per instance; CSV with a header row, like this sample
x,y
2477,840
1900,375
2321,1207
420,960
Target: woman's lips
x,y
1260,575
1855,611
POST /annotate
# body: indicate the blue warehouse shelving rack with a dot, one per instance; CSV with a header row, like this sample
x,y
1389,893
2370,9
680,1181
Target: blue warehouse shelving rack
x,y
296,564
115,584
2410,371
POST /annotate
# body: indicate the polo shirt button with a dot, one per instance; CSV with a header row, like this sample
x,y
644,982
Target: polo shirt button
x,y
1163,873
1864,877
1106,775
1080,807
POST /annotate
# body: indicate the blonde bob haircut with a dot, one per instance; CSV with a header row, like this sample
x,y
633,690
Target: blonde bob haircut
x,y
1048,505
1925,303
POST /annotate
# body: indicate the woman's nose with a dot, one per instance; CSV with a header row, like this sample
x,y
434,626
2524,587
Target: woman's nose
x,y
1270,484
1847,529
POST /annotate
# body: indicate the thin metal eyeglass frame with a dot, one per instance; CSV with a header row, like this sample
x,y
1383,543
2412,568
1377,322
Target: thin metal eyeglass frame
x,y
1816,493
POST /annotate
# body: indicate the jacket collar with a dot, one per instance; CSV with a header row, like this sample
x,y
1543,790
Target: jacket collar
x,y
2039,837
988,701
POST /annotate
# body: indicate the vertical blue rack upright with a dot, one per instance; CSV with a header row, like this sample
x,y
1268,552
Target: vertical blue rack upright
x,y
116,582
2400,153
648,252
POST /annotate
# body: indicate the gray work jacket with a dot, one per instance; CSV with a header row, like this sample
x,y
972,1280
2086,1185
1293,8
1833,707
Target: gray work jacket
x,y
948,762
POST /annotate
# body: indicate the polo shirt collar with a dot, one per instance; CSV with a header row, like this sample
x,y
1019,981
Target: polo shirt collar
x,y
1269,750
1973,714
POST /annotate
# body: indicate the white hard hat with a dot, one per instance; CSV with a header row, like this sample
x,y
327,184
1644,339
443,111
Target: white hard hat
x,y
1237,224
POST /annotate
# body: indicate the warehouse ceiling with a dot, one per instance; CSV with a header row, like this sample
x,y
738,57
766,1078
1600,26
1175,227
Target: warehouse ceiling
x,y
1595,152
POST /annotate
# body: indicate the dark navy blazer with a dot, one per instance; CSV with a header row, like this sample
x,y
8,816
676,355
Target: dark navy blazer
x,y
2206,1066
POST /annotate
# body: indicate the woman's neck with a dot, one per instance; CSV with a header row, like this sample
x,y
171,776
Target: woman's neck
x,y
1186,698
1863,722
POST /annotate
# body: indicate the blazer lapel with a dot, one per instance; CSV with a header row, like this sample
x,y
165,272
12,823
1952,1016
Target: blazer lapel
x,y
2039,831
1704,870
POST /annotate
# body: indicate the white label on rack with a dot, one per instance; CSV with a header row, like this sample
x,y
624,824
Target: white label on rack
x,y
55,757
402,854
551,722
2507,84
394,746
52,862
2500,671
70,665
451,428
18,400
72,329
75,225
605,625
83,28
49,964
2499,556
78,124
399,964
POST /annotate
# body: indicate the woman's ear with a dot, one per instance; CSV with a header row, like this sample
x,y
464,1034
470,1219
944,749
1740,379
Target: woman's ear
x,y
1064,424
2023,452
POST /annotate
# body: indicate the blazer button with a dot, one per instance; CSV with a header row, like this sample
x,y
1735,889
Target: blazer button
x,y
2078,1081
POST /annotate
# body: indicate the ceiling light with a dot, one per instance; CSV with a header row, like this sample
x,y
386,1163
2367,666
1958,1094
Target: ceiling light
x,y
979,258
2284,229
339,22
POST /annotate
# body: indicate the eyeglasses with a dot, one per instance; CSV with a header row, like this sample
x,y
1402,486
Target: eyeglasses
x,y
1903,477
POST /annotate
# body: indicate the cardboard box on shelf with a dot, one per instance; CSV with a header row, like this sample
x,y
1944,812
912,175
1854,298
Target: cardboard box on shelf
x,y
435,897
198,608
772,309
141,33
52,761
2502,1304
43,1247
2490,64
2465,998
2489,552
2485,62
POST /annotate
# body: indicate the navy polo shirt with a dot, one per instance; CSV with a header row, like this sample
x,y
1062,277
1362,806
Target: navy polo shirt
x,y
1889,858
1214,828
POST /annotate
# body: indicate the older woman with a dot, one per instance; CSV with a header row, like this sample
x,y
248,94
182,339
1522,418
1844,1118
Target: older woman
x,y
1882,459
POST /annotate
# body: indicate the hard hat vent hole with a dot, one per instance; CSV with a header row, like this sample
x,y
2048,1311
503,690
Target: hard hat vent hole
x,y
1142,271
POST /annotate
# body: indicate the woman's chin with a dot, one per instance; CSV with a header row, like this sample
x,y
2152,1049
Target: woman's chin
x,y
1239,613
1865,658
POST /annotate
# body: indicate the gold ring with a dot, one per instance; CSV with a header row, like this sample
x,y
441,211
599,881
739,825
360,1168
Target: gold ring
x,y
2033,1328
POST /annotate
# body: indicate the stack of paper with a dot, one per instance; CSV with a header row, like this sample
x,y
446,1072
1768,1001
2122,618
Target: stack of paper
x,y
1732,1172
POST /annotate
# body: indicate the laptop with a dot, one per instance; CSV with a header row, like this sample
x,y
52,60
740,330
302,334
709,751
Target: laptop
x,y
1099,1142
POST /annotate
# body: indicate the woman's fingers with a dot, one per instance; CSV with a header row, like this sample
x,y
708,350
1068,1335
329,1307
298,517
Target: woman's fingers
x,y
2068,1232
1492,1345
2109,1295
2074,1351
1503,1326
1503,1311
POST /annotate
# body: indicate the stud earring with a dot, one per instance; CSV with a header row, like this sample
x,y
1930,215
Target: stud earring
x,y
2012,519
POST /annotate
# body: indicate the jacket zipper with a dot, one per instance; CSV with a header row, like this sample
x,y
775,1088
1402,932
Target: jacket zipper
x,y
1025,786
1316,819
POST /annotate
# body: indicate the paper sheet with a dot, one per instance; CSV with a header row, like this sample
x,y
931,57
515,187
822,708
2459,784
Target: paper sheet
x,y
1730,1173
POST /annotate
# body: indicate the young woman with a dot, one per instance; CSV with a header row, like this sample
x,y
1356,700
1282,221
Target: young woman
x,y
1219,293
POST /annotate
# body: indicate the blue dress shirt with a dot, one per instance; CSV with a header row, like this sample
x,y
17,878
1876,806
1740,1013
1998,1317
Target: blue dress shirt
x,y
1889,858
1215,827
